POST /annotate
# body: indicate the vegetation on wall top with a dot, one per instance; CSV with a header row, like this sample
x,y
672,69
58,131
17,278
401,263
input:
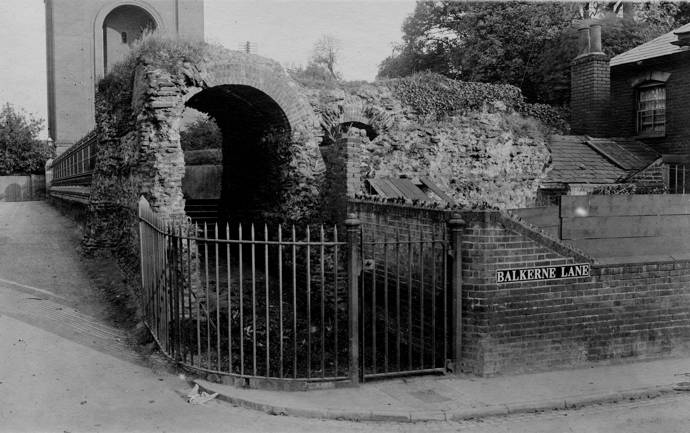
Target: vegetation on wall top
x,y
436,95
433,94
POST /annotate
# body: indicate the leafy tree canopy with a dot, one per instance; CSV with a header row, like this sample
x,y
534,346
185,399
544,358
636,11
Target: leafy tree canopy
x,y
22,152
526,44
203,133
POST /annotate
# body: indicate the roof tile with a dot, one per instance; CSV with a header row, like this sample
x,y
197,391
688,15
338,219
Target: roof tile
x,y
658,47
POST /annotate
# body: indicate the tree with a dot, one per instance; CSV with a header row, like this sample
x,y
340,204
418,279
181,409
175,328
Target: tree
x,y
326,53
526,44
490,42
202,133
22,152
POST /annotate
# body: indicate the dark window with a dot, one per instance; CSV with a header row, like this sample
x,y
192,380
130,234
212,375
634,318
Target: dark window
x,y
651,109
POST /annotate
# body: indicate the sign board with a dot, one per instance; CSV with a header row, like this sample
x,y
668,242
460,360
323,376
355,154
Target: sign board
x,y
580,270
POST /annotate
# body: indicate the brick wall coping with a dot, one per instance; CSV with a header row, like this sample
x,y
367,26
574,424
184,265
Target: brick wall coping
x,y
508,221
443,213
517,225
641,260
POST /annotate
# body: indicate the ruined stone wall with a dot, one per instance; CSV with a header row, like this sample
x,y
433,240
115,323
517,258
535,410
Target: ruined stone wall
x,y
139,110
484,154
492,155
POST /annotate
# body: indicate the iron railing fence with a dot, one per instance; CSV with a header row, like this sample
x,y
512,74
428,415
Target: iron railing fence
x,y
300,304
247,301
75,166
405,301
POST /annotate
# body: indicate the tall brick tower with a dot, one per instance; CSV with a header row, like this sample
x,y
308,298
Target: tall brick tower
x,y
85,38
590,85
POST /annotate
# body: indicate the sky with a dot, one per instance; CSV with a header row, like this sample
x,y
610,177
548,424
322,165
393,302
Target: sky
x,y
284,30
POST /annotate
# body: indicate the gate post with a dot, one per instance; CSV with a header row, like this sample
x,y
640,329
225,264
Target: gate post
x,y
455,225
352,225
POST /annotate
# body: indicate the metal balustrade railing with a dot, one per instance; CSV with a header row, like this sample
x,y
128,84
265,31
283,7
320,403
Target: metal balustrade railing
x,y
75,166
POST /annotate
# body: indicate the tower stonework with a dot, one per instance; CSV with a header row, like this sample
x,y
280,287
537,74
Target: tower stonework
x,y
85,38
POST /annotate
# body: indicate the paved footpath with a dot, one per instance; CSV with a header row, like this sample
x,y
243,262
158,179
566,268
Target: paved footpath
x,y
460,398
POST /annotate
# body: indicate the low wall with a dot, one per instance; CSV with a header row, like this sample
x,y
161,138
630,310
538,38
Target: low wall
x,y
22,188
618,312
388,216
202,182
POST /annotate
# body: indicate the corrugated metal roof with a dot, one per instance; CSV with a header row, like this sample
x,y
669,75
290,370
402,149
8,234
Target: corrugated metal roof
x,y
436,190
658,47
391,187
408,189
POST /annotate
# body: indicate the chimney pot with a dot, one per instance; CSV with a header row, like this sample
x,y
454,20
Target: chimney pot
x,y
583,41
595,38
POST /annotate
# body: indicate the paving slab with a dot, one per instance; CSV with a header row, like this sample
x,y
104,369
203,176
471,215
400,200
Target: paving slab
x,y
435,398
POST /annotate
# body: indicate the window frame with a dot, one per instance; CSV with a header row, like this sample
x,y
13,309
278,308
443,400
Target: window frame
x,y
657,128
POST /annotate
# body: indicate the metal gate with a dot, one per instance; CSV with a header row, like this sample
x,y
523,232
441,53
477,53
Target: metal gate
x,y
404,299
292,307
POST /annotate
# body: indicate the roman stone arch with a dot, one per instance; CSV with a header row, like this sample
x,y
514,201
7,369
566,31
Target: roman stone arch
x,y
137,6
337,119
263,120
267,78
270,135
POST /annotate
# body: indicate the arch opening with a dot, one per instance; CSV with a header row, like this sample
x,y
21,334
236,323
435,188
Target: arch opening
x,y
122,27
255,154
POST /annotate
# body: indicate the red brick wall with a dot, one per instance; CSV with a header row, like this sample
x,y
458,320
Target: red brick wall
x,y
590,87
627,311
677,98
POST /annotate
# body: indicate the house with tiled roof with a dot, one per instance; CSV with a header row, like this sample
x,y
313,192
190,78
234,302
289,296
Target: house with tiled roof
x,y
581,164
630,118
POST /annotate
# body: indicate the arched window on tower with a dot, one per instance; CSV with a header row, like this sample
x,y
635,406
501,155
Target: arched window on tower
x,y
121,28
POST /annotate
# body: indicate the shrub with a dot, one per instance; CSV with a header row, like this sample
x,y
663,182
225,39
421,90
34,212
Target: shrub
x,y
201,134
433,94
20,150
629,189
554,117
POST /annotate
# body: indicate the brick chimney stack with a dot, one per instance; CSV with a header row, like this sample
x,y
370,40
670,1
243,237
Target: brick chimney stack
x,y
590,85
